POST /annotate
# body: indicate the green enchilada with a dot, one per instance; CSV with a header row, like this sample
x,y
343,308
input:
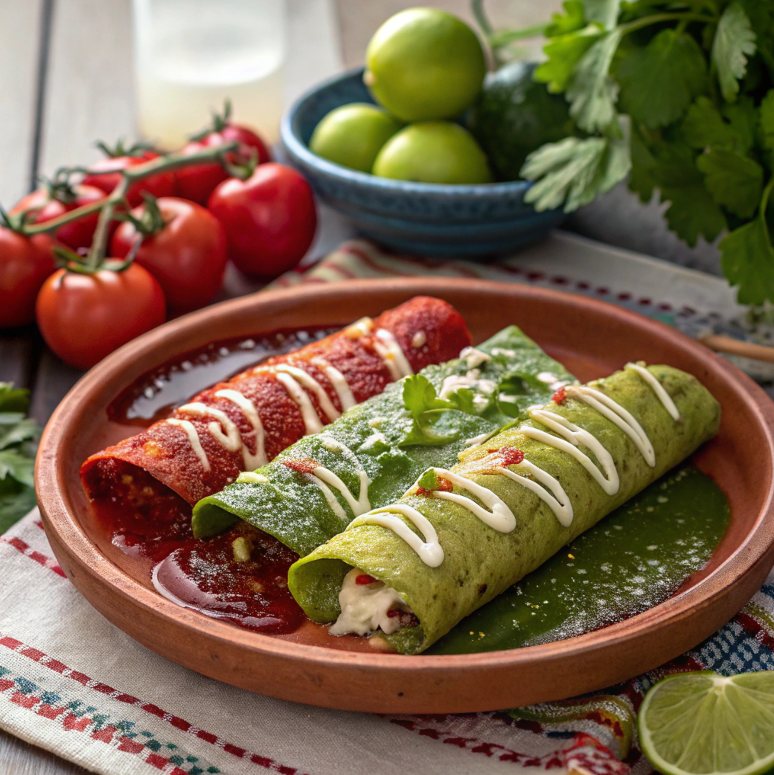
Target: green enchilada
x,y
369,456
464,534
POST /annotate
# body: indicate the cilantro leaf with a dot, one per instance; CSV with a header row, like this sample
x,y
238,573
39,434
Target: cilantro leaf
x,y
591,91
671,58
573,171
641,179
18,466
562,54
743,116
17,455
572,20
734,41
419,395
462,399
747,257
735,181
428,480
703,126
604,12
767,121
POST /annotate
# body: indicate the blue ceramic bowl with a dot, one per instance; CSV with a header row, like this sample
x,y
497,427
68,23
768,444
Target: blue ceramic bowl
x,y
421,218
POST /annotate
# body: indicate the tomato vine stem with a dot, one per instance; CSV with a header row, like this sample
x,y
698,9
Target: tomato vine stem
x,y
106,207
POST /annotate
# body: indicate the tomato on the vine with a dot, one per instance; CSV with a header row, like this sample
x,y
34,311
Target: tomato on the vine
x,y
118,158
84,317
184,248
45,204
198,181
25,263
270,219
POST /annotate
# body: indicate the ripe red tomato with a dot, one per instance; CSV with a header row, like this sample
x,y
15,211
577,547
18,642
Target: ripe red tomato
x,y
162,184
198,181
84,317
187,256
76,234
270,219
25,263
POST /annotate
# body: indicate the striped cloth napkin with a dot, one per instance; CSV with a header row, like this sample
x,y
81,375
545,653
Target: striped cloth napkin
x,y
72,683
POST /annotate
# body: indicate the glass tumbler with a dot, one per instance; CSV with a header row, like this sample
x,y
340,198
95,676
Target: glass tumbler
x,y
191,55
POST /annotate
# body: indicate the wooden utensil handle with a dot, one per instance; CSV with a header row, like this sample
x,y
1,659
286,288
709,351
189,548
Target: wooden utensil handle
x,y
727,344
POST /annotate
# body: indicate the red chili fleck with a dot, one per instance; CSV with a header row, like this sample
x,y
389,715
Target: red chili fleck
x,y
364,578
304,466
560,396
444,485
510,455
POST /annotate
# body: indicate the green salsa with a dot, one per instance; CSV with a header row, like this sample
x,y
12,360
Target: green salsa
x,y
632,560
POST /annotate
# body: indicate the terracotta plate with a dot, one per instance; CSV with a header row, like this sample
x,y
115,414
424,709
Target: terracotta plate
x,y
592,339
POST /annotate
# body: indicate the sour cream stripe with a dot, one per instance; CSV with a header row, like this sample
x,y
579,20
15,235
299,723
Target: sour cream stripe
x,y
621,417
428,547
657,387
388,349
257,459
193,438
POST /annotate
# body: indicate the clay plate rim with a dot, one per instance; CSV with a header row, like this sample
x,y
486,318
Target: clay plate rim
x,y
686,618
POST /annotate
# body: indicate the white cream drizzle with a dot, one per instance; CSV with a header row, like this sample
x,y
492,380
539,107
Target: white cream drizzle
x,y
551,492
324,478
306,380
250,477
621,417
389,351
499,517
572,437
427,547
482,438
224,430
193,437
338,382
312,423
658,389
359,328
251,413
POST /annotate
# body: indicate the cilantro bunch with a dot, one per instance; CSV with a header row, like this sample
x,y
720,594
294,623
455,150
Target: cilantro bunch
x,y
678,95
18,441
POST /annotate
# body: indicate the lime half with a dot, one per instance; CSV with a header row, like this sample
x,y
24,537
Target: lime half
x,y
704,723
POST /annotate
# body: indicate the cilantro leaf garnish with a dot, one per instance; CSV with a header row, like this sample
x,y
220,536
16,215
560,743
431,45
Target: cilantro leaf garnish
x,y
421,400
680,97
18,437
428,480
735,181
591,90
748,257
573,171
659,81
734,42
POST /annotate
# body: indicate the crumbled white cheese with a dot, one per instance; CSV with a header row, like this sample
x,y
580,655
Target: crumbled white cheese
x,y
249,477
376,422
474,357
419,339
364,607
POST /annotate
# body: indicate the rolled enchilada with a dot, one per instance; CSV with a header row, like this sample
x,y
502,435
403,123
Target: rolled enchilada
x,y
370,455
462,535
156,476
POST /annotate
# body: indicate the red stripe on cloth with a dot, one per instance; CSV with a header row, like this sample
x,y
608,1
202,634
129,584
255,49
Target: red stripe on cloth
x,y
72,722
27,551
751,626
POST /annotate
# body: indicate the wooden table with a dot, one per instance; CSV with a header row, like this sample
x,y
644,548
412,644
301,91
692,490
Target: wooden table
x,y
66,81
